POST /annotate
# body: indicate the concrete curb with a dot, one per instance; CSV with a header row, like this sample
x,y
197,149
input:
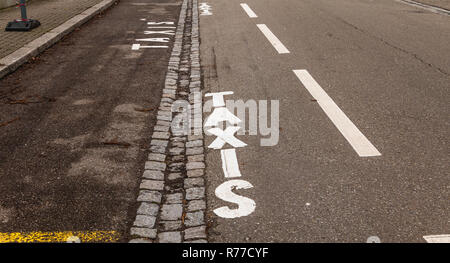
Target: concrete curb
x,y
14,60
172,200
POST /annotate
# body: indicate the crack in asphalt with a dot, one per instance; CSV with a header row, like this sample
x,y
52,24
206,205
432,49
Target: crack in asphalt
x,y
385,42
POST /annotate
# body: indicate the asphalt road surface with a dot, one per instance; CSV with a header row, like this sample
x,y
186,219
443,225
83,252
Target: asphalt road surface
x,y
386,67
72,159
359,147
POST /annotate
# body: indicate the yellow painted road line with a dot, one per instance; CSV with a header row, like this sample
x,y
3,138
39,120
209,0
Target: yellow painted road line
x,y
60,237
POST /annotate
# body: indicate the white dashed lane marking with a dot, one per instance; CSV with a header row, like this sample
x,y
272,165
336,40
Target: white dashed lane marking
x,y
357,140
248,10
276,43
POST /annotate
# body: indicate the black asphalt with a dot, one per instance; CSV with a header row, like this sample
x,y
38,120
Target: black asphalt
x,y
386,65
77,122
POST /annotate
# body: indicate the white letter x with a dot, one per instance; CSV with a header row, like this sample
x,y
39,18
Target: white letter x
x,y
226,136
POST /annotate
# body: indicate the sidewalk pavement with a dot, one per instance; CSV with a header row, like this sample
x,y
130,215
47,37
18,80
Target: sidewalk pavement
x,y
51,13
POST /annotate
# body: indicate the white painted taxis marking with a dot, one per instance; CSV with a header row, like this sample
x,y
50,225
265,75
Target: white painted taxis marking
x,y
230,164
226,136
164,32
139,46
167,29
246,206
154,39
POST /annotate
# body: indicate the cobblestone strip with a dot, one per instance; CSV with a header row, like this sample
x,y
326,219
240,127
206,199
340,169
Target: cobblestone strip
x,y
172,193
194,184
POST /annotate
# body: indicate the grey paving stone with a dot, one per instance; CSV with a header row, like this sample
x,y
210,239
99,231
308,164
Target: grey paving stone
x,y
195,84
194,219
175,169
170,81
140,240
163,118
149,209
168,188
197,241
170,96
196,143
172,86
195,232
149,196
143,232
152,165
195,173
178,131
196,158
178,158
196,205
166,100
194,151
195,193
178,144
171,225
144,221
155,175
160,135
164,123
178,139
171,211
195,89
165,113
161,128
165,108
169,237
177,165
158,149
169,91
176,151
193,182
197,131
174,176
176,198
195,165
159,142
157,157
199,118
152,185
197,123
